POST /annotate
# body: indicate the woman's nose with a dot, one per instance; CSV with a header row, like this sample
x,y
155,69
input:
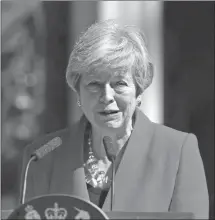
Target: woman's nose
x,y
107,94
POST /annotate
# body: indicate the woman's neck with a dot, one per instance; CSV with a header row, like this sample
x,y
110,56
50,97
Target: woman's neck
x,y
118,139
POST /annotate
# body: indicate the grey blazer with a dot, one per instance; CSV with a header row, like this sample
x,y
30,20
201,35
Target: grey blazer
x,y
161,170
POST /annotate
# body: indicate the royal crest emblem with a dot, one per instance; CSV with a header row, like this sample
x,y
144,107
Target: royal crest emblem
x,y
58,207
31,213
56,212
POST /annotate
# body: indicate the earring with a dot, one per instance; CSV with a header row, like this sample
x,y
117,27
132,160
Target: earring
x,y
78,103
138,101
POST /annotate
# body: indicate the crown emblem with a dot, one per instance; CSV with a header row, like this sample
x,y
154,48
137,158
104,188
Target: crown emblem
x,y
56,212
31,213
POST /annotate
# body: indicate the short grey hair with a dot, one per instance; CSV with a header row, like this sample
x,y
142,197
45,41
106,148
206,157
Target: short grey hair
x,y
109,44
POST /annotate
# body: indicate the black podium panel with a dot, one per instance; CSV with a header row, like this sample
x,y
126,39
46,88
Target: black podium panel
x,y
149,215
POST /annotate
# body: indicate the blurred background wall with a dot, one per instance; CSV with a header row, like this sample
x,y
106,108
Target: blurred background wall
x,y
37,38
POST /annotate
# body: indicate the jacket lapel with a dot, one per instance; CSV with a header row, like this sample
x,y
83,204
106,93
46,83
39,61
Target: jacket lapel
x,y
68,173
131,165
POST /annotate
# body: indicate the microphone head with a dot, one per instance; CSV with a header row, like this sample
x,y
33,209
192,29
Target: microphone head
x,y
47,148
109,149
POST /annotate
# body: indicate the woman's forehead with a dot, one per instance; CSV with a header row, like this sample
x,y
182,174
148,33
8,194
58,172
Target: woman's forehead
x,y
109,72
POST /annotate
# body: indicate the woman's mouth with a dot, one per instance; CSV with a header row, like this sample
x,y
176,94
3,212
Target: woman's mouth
x,y
109,112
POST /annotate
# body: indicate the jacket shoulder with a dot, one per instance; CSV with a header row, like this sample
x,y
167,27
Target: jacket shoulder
x,y
169,134
168,141
159,132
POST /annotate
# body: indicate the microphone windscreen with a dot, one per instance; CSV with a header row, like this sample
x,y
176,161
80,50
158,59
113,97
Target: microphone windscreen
x,y
47,148
109,149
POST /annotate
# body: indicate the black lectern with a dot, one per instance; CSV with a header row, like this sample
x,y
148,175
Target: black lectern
x,y
149,215
72,207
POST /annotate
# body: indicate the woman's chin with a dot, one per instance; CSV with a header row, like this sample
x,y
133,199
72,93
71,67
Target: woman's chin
x,y
109,124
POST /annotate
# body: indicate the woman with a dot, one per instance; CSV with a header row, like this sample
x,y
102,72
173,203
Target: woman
x,y
158,169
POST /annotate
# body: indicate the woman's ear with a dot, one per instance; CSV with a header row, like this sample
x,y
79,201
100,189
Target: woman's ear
x,y
149,76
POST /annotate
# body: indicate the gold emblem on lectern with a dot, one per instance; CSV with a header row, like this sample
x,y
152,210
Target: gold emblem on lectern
x,y
81,214
31,213
56,213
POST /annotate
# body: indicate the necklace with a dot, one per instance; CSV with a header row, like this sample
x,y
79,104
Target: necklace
x,y
94,175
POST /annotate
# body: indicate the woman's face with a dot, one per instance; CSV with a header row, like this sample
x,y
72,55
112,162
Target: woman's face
x,y
108,99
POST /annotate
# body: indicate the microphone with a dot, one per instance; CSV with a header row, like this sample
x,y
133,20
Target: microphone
x,y
46,148
108,144
35,156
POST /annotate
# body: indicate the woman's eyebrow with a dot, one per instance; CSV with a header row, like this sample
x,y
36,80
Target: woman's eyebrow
x,y
121,75
92,76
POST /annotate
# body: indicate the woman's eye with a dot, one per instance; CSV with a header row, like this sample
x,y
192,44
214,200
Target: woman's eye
x,y
94,86
94,83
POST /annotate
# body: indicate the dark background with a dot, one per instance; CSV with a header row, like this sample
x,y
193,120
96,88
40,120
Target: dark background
x,y
189,76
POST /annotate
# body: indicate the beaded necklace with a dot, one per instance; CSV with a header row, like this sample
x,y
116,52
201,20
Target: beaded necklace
x,y
94,175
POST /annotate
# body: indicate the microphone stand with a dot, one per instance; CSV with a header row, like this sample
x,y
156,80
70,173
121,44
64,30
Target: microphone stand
x,y
22,199
112,182
38,154
107,141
